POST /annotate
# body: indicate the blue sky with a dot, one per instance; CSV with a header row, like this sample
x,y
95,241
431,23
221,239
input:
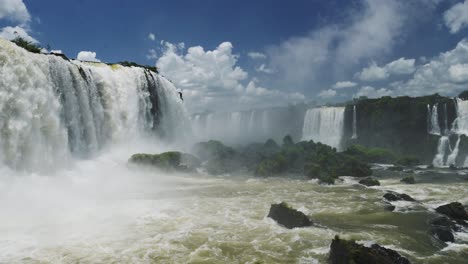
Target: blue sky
x,y
243,54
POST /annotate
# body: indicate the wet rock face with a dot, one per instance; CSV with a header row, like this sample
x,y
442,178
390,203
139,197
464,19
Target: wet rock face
x,y
453,210
442,233
287,216
369,182
408,180
393,196
349,252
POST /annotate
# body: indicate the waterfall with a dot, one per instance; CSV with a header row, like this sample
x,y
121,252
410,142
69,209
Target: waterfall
x,y
442,148
434,127
52,109
325,125
460,125
354,136
451,159
447,129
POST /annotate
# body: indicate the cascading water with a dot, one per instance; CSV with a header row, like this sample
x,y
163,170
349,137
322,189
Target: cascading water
x,y
325,125
354,136
434,127
443,147
52,109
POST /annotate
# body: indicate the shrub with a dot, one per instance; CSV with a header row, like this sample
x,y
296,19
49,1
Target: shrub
x,y
27,45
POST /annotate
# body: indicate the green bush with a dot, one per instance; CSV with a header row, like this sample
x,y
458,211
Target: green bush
x,y
29,46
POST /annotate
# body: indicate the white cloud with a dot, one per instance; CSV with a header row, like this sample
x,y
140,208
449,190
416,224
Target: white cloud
x,y
372,92
345,84
151,36
370,31
374,72
87,56
256,55
264,69
14,10
12,32
456,18
401,66
327,93
152,54
459,72
212,80
446,74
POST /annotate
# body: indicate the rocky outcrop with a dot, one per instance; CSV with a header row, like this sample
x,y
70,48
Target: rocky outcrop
x,y
369,182
288,217
171,160
349,252
394,196
454,210
408,180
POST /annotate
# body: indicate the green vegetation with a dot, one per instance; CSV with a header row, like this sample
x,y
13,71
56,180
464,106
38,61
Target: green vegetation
x,y
172,160
380,155
408,180
27,45
314,160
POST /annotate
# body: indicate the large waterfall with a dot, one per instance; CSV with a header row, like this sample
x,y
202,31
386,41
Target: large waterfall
x,y
52,109
325,125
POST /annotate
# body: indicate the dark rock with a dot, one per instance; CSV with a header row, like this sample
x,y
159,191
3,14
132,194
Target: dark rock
x,y
287,216
389,207
453,210
369,182
172,160
444,222
408,180
442,233
349,252
394,196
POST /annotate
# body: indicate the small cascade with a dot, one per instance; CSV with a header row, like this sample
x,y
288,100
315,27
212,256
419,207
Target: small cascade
x,y
235,124
325,125
443,147
460,125
434,127
451,159
354,136
447,129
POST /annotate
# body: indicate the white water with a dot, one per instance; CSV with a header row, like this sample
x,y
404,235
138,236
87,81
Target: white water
x,y
53,110
354,136
434,120
442,148
451,159
460,125
325,125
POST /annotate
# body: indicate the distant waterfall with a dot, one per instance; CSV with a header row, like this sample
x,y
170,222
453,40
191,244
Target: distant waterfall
x,y
52,109
354,136
460,124
325,125
434,127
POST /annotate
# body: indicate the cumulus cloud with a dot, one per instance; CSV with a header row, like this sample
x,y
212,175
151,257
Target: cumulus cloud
x,y
400,66
12,32
372,92
345,84
151,36
327,94
87,56
212,80
14,10
456,18
256,55
445,74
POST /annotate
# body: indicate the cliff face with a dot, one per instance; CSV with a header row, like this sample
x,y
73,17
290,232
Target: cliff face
x,y
400,124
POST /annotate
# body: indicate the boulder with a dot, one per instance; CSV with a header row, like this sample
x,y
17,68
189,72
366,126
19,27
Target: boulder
x,y
394,196
408,180
442,233
172,160
288,217
349,252
369,182
389,207
453,210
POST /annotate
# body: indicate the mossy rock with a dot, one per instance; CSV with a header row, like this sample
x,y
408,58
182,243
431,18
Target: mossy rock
x,y
408,180
288,217
394,196
172,160
327,180
349,252
369,182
